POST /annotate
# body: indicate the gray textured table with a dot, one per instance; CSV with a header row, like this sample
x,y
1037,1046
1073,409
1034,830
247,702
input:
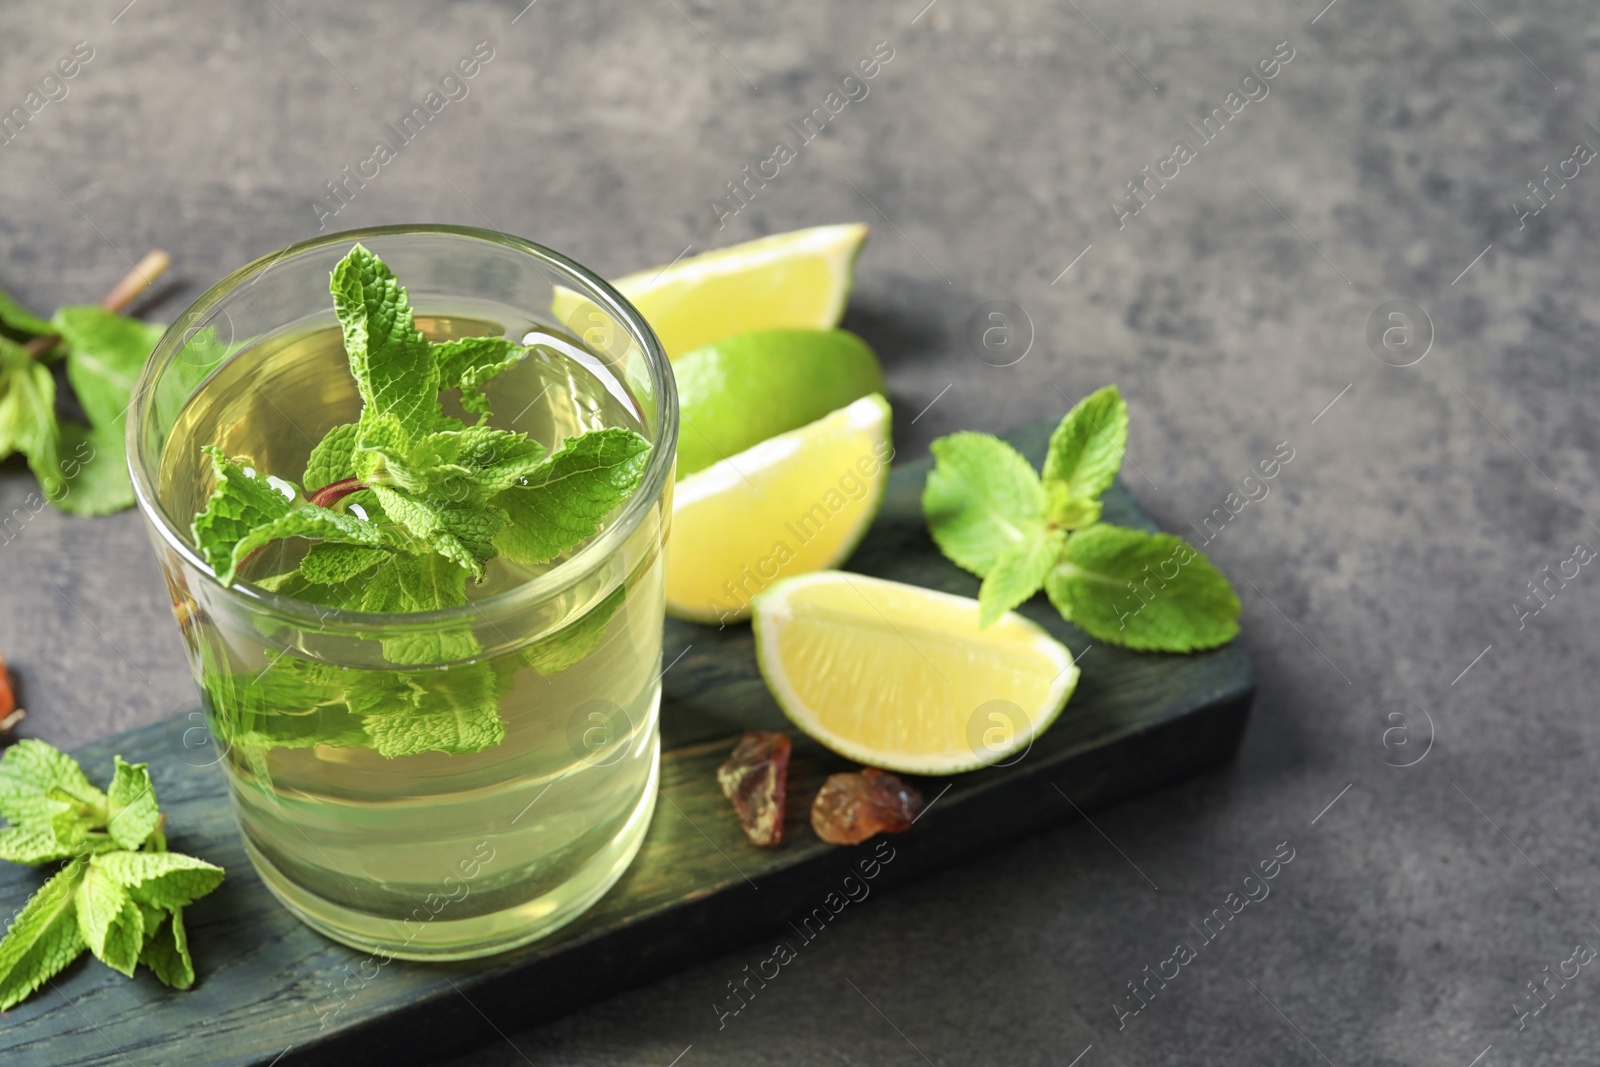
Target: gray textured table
x,y
1380,576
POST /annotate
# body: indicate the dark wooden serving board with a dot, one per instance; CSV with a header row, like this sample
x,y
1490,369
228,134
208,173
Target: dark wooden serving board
x,y
1136,722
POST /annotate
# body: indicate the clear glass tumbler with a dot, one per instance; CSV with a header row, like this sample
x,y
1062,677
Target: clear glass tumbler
x,y
536,703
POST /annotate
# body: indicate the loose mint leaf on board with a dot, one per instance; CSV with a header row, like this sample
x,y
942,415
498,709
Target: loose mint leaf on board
x,y
394,367
1151,592
1086,448
110,921
468,363
158,879
32,847
43,938
981,498
30,771
131,807
166,948
1017,574
563,501
28,415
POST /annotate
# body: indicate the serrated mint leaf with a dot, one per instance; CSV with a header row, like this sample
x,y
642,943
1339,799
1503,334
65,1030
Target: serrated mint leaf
x,y
982,497
563,501
453,711
463,533
30,772
247,511
574,642
392,363
328,563
1087,446
1017,574
105,353
43,938
158,879
32,847
166,948
468,363
131,804
1151,592
457,466
333,459
110,921
19,320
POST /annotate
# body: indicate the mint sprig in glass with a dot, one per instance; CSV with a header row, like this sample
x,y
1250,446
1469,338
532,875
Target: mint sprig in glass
x,y
412,527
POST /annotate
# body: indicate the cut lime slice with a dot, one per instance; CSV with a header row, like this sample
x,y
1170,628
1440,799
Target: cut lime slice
x,y
902,678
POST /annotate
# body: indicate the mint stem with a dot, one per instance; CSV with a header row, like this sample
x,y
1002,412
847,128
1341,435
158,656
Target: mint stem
x,y
334,492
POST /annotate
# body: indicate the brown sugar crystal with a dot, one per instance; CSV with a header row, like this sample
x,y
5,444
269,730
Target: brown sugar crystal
x,y
755,778
854,806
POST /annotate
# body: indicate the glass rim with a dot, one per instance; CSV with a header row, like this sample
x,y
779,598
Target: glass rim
x,y
663,454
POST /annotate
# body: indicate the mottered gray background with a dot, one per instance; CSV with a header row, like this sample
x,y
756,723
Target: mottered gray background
x,y
1442,859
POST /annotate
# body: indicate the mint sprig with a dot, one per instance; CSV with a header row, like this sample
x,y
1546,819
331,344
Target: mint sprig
x,y
401,508
426,483
120,894
81,466
991,514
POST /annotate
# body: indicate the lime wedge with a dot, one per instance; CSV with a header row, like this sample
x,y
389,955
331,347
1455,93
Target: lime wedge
x,y
741,390
796,502
799,279
902,678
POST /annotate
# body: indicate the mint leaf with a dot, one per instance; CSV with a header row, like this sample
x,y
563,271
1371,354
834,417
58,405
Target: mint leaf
x,y
19,320
43,938
463,533
158,879
1145,591
981,498
1087,446
166,947
28,415
32,847
105,353
453,711
472,464
1017,574
131,804
573,643
30,772
563,501
333,459
328,563
94,466
247,511
392,363
111,923
468,363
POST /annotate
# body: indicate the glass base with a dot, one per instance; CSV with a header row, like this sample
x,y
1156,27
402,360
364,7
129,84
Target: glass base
x,y
481,935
